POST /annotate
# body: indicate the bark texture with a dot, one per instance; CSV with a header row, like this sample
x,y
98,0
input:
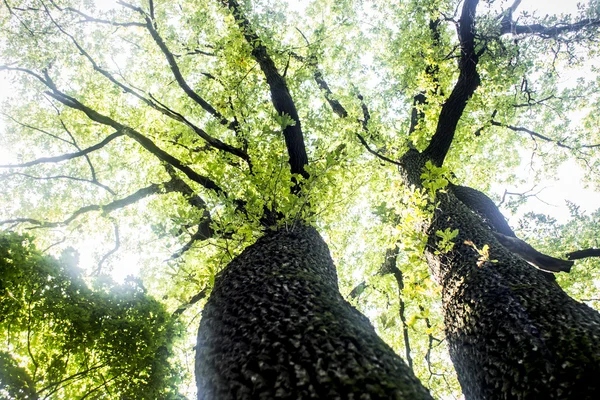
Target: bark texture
x,y
512,333
276,326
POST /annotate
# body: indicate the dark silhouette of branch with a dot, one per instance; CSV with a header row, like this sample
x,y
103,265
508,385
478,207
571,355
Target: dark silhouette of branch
x,y
196,298
88,18
335,105
508,26
389,267
420,99
111,251
579,254
534,134
468,82
73,178
159,106
150,26
532,256
71,377
155,188
68,156
280,94
526,194
203,229
145,142
430,340
341,111
484,206
391,257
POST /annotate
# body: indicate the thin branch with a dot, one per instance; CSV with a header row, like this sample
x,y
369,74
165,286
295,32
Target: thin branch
x,y
145,142
111,251
548,32
71,377
150,26
375,153
73,178
430,340
392,255
204,230
155,188
88,18
526,194
531,133
335,105
157,105
34,128
341,112
68,156
196,298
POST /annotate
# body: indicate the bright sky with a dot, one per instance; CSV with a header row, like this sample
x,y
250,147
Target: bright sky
x,y
567,187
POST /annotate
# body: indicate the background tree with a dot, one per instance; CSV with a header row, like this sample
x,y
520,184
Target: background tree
x,y
195,89
79,342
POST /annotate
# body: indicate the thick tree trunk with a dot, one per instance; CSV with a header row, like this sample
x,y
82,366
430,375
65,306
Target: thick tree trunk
x,y
276,326
512,332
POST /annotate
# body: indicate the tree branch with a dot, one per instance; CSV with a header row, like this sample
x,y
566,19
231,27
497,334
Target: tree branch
x,y
341,111
111,251
391,257
531,133
73,178
468,81
490,215
196,298
280,95
579,254
204,230
106,209
216,143
67,156
484,206
532,256
508,26
88,18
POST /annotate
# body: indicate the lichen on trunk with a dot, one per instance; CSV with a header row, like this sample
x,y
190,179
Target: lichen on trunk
x,y
276,326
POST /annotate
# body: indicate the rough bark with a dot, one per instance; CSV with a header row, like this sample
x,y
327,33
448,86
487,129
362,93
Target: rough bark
x,y
512,333
276,326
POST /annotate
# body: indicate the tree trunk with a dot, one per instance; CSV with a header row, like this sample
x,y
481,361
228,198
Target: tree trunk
x,y
276,326
512,332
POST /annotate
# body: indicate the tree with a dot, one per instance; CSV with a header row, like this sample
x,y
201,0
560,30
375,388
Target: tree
x,y
512,332
205,91
80,342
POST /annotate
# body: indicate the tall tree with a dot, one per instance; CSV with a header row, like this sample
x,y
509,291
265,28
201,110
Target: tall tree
x,y
512,331
276,324
229,130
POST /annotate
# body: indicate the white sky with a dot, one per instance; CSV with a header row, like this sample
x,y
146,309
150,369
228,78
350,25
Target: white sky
x,y
567,187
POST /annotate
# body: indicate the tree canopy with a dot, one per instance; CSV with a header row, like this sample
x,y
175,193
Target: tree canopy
x,y
172,135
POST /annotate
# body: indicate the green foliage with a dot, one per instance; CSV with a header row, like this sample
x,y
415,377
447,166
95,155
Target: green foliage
x,y
434,178
580,232
445,244
386,52
65,340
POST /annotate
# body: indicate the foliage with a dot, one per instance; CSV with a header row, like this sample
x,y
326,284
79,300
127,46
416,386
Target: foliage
x,y
65,340
378,56
580,232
